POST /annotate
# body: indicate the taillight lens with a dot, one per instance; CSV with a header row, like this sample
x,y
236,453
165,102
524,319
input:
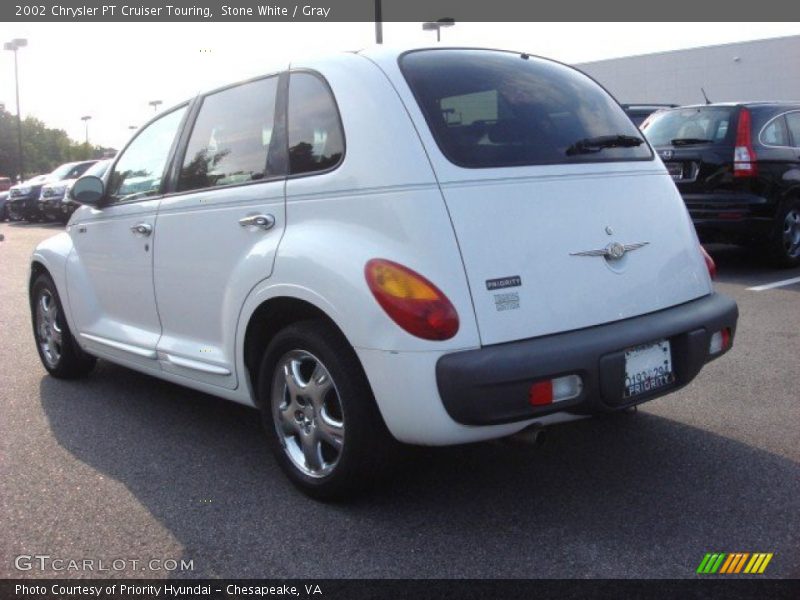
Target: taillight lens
x,y
411,301
744,157
710,264
720,341
554,390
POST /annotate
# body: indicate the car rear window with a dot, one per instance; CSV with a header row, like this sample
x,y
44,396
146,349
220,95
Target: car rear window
x,y
499,109
688,126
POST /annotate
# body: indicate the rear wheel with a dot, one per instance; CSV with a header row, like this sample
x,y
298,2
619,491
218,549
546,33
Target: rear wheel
x,y
60,354
785,244
320,417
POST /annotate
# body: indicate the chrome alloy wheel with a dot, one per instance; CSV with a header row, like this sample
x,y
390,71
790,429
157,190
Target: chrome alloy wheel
x,y
307,413
791,233
48,331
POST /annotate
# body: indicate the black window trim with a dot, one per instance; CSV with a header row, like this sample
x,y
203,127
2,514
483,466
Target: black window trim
x,y
165,176
793,143
538,164
324,81
275,146
169,182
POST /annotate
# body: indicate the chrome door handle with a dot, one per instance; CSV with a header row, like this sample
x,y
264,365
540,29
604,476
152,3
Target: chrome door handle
x,y
142,229
264,222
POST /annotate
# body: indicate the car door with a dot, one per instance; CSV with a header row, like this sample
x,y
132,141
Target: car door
x,y
110,271
219,229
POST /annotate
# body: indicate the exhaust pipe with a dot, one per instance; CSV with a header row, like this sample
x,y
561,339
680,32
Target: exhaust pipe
x,y
533,435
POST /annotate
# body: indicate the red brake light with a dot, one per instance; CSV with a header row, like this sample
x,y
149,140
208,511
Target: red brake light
x,y
411,301
726,338
541,393
710,264
744,157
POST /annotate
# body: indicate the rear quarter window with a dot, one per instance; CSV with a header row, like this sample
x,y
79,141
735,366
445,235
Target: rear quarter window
x,y
497,109
775,132
316,136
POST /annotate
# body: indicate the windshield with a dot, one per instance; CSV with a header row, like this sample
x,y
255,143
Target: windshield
x,y
497,109
70,171
61,171
696,125
98,169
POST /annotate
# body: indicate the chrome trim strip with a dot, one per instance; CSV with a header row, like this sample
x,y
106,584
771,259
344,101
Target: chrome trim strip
x,y
195,365
144,353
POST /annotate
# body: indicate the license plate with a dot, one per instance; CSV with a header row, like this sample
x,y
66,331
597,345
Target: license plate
x,y
675,170
647,367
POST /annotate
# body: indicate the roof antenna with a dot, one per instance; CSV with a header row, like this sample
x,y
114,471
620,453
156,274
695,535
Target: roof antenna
x,y
704,96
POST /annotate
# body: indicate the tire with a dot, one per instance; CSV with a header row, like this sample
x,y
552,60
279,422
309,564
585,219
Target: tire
x,y
321,419
784,246
58,351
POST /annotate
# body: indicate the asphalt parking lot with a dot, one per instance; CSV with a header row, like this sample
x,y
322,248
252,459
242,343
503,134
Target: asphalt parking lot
x,y
121,465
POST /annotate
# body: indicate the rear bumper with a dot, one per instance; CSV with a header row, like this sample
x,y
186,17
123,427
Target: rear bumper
x,y
736,214
490,385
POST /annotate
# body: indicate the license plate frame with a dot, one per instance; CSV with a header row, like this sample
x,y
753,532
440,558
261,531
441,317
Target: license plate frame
x,y
648,368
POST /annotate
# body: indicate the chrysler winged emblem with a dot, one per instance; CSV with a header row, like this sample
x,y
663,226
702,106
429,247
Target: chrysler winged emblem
x,y
613,251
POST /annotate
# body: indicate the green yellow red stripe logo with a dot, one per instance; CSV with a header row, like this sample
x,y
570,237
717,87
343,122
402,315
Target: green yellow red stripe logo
x,y
731,563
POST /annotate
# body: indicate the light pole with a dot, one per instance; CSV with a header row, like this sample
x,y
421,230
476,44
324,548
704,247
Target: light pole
x,y
437,26
378,22
85,120
155,104
13,46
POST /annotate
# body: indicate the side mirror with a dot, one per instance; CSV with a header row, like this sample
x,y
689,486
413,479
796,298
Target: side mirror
x,y
88,190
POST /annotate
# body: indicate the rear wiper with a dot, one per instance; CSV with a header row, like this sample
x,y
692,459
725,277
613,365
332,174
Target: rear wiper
x,y
596,144
689,141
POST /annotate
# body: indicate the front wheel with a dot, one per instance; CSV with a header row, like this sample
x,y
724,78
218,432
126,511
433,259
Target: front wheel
x,y
60,354
321,419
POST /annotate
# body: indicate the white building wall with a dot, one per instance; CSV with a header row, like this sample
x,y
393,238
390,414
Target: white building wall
x,y
759,70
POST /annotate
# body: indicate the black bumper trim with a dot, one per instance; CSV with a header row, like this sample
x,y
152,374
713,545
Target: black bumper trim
x,y
490,385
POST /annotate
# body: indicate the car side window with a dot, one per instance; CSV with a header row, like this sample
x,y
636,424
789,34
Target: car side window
x,y
231,137
140,170
793,121
316,139
775,133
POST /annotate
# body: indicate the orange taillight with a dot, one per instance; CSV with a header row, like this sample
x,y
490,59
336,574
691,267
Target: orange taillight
x,y
411,301
710,264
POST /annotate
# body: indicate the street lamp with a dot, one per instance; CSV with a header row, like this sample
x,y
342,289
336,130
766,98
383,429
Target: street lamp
x,y
378,22
437,26
13,46
85,120
154,104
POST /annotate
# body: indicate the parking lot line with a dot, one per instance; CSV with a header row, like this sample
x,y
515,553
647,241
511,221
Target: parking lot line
x,y
769,286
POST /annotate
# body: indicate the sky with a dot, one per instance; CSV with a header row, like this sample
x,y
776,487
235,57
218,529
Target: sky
x,y
111,71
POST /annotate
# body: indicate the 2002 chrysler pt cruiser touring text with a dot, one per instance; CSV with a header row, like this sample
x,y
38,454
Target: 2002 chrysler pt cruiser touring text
x,y
434,246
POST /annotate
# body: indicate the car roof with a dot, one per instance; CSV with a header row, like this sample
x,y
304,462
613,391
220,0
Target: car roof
x,y
776,103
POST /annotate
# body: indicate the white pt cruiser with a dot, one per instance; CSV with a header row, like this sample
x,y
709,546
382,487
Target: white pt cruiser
x,y
434,246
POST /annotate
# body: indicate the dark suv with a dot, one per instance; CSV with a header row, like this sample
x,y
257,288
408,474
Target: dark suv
x,y
24,197
737,167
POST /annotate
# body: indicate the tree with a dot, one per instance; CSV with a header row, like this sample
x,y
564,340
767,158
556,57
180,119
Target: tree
x,y
44,148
